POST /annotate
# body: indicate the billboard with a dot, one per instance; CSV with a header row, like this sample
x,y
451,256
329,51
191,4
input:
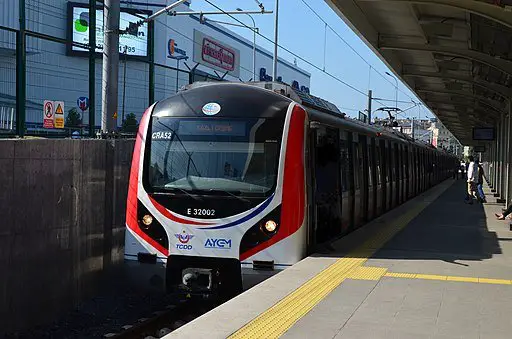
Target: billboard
x,y
215,54
135,42
483,133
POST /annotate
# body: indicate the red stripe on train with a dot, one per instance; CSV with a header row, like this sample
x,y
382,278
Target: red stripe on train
x,y
131,203
293,202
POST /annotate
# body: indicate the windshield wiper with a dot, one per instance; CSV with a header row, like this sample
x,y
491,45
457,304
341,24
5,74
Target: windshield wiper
x,y
231,194
184,191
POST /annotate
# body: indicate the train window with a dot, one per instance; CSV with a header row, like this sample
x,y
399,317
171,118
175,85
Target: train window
x,y
327,150
344,162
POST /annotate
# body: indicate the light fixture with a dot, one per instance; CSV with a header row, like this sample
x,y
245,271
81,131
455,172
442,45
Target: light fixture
x,y
270,226
147,220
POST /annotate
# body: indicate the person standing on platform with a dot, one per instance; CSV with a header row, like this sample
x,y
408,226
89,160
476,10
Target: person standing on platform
x,y
480,182
472,177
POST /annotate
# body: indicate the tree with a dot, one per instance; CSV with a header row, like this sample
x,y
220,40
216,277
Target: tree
x,y
73,119
130,124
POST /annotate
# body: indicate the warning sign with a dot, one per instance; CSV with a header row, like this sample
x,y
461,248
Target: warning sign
x,y
59,109
58,118
48,114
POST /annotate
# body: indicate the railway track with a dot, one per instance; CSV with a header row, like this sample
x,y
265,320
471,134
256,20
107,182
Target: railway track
x,y
162,322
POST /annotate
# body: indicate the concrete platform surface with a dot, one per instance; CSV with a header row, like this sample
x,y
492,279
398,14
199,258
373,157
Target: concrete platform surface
x,y
434,267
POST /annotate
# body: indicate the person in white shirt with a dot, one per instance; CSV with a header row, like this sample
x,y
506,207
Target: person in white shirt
x,y
472,179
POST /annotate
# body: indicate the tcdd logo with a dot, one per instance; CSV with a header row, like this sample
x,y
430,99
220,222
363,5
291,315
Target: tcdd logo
x,y
218,243
184,238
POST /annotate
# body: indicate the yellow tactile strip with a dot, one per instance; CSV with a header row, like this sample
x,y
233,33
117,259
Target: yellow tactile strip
x,y
446,278
279,318
367,273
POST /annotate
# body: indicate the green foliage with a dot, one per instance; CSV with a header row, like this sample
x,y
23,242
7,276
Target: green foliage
x,y
130,124
73,119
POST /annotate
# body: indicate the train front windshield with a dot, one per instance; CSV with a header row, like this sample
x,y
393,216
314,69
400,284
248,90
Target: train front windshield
x,y
217,156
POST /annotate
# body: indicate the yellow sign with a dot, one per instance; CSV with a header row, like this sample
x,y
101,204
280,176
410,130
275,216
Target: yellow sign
x,y
59,109
59,122
115,115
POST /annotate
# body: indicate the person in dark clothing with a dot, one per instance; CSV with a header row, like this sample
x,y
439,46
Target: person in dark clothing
x,y
505,213
480,182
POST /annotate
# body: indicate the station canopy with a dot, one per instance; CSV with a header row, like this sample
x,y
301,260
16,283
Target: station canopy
x,y
455,54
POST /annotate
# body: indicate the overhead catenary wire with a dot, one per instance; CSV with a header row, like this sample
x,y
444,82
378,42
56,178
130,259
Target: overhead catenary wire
x,y
294,54
353,49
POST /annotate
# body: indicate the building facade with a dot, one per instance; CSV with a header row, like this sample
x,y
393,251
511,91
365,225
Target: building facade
x,y
177,50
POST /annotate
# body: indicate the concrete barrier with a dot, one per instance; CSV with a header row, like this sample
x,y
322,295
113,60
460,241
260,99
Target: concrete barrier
x,y
62,209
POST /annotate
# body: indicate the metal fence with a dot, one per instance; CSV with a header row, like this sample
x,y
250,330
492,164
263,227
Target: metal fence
x,y
35,67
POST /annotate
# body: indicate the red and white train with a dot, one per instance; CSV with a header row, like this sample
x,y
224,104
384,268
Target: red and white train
x,y
230,176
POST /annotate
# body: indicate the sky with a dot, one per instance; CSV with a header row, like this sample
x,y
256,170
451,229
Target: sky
x,y
303,33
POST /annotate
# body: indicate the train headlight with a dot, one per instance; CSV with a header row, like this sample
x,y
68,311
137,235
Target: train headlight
x,y
270,226
147,220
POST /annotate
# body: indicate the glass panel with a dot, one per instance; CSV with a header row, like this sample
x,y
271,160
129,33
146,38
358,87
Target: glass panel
x,y
7,80
221,156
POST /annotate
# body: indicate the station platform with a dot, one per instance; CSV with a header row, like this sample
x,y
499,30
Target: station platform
x,y
435,267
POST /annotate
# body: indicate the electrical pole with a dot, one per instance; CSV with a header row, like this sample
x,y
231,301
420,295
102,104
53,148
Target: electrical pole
x,y
274,68
369,107
110,79
412,128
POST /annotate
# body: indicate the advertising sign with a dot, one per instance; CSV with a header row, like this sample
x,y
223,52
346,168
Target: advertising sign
x,y
58,117
215,54
135,42
48,113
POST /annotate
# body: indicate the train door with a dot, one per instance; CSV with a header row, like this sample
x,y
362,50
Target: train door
x,y
383,175
379,207
357,162
365,176
407,169
404,176
346,182
396,174
351,178
327,184
389,178
372,180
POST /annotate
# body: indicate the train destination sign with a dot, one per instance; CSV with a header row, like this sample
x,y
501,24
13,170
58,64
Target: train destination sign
x,y
221,128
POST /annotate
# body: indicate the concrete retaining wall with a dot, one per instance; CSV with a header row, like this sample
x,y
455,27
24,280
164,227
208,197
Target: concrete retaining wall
x,y
62,209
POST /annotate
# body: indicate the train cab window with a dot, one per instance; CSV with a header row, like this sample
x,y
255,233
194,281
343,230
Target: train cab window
x,y
219,157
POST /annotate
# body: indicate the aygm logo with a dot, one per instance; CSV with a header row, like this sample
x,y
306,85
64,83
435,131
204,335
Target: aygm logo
x,y
218,243
184,238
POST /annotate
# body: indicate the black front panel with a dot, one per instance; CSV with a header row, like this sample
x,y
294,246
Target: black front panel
x,y
202,206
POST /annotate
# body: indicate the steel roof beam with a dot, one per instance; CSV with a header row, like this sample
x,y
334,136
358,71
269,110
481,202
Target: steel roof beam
x,y
487,10
462,94
499,64
503,91
476,108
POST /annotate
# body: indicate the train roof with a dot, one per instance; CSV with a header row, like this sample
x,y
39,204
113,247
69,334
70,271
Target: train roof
x,y
320,110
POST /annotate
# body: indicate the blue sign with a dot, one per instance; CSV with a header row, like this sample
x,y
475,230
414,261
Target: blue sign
x,y
218,243
83,103
295,84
